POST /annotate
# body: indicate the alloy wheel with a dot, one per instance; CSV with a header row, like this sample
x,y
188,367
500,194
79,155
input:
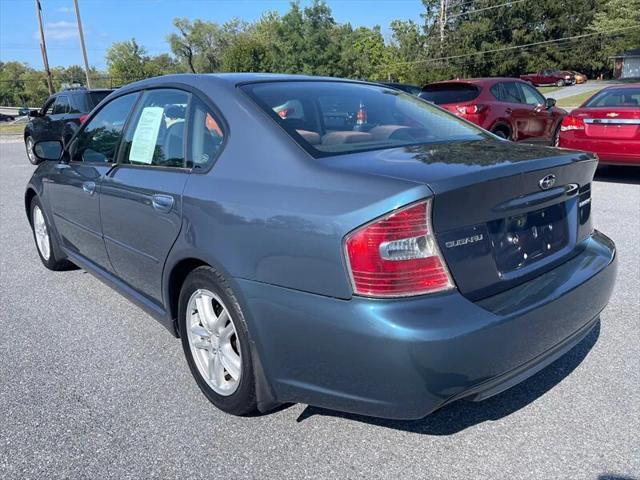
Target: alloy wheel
x,y
213,342
30,154
41,233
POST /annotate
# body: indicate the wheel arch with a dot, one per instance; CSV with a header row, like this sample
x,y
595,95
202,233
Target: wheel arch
x,y
503,125
29,194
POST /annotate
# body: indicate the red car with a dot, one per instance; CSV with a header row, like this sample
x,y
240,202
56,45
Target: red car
x,y
608,124
507,107
559,78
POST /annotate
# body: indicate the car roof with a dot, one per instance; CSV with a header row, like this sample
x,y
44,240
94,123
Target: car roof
x,y
478,81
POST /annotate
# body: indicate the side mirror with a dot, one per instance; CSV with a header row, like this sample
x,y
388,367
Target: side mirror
x,y
48,150
550,103
34,113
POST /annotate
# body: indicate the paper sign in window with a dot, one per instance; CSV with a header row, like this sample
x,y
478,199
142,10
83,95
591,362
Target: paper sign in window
x,y
146,135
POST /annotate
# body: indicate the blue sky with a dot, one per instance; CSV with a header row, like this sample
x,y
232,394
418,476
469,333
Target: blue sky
x,y
149,21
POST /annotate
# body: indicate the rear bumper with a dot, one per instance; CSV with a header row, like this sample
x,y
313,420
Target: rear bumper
x,y
405,358
613,152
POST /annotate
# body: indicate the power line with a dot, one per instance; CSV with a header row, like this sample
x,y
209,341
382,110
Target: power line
x,y
516,47
471,12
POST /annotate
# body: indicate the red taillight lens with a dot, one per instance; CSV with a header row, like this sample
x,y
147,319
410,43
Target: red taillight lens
x,y
571,123
470,109
83,117
397,255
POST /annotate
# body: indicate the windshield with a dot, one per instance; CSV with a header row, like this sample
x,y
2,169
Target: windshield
x,y
330,118
616,97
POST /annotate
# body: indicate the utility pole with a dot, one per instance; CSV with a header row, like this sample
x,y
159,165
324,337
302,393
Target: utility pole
x,y
84,49
43,48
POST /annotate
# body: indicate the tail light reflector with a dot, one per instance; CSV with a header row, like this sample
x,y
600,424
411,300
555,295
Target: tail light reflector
x,y
571,123
83,117
397,255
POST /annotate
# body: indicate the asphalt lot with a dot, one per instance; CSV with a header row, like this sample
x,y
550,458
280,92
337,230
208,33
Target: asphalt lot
x,y
91,387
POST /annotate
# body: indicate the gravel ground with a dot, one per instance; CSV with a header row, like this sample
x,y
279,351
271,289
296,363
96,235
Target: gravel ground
x,y
91,387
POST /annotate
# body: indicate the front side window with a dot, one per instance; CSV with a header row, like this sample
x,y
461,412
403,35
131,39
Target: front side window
x,y
98,141
531,95
61,106
156,133
330,118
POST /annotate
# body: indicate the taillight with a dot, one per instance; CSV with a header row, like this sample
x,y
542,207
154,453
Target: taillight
x,y
83,117
571,123
470,109
361,116
397,255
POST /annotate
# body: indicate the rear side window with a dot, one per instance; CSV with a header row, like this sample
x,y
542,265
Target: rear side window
x,y
616,97
207,134
506,92
156,134
98,141
94,98
331,118
449,93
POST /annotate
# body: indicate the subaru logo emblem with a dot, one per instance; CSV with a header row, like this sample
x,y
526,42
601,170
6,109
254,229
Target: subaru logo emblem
x,y
547,182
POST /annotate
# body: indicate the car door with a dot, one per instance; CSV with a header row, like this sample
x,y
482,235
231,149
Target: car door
x,y
516,111
540,122
58,115
41,125
141,198
74,188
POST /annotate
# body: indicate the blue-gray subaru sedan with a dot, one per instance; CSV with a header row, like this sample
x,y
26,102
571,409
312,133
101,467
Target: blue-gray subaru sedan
x,y
332,242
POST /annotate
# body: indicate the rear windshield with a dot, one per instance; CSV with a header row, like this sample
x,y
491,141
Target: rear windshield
x,y
449,93
616,97
329,118
96,97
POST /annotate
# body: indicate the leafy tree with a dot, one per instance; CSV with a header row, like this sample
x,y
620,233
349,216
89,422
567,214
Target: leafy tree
x,y
127,61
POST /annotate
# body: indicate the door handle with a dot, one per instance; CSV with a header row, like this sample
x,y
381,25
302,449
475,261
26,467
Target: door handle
x,y
89,187
508,111
162,203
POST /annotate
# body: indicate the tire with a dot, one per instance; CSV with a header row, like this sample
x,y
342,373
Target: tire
x,y
41,228
555,139
28,144
559,83
502,133
204,340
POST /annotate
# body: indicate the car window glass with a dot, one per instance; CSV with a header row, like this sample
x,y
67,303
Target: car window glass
x,y
48,108
73,104
156,134
98,141
531,96
344,117
443,93
618,97
511,92
497,91
207,134
61,106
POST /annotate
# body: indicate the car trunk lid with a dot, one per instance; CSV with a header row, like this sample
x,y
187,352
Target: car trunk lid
x,y
502,212
617,124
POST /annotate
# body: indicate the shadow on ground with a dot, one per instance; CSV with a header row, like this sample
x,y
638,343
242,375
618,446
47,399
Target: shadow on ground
x,y
462,414
615,174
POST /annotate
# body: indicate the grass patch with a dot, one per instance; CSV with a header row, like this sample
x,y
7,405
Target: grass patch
x,y
575,100
11,128
545,90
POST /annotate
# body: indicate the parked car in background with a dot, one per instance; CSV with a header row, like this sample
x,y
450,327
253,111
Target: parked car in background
x,y
608,124
60,116
580,77
24,111
507,107
559,78
6,118
405,87
384,267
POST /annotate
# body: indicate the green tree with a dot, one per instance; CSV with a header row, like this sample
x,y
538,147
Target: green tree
x,y
127,61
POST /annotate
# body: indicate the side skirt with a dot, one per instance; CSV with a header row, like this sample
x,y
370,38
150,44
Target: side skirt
x,y
150,307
